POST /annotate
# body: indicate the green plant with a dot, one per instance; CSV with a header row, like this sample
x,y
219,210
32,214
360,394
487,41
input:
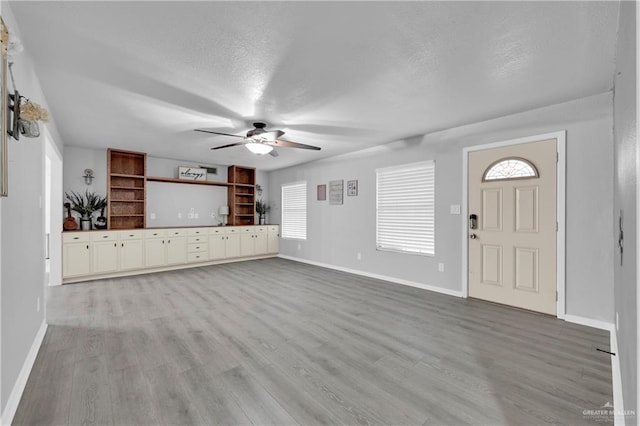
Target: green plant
x,y
262,207
86,204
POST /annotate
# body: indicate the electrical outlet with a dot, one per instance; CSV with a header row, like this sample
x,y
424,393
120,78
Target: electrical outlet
x,y
359,256
213,215
454,208
440,267
38,304
299,246
152,216
196,215
179,215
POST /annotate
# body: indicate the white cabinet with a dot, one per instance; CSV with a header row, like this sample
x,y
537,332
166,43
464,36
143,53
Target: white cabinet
x,y
131,250
217,243
92,254
104,248
232,248
176,246
197,245
273,239
76,255
154,248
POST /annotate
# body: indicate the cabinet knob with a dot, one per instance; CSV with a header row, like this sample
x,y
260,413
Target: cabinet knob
x,y
87,246
105,236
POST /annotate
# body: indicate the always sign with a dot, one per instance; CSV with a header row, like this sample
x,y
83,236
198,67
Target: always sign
x,y
189,173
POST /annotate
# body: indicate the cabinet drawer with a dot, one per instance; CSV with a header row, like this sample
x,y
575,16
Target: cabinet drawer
x,y
273,229
75,237
104,236
176,232
198,248
198,239
217,231
259,229
233,230
247,229
197,231
129,235
155,233
197,257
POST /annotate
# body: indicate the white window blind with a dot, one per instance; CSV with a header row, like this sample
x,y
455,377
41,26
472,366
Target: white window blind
x,y
405,208
294,211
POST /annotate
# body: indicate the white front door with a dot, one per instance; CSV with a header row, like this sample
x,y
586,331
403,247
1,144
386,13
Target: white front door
x,y
512,225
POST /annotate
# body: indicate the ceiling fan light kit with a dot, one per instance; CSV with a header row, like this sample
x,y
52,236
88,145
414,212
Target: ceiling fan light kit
x,y
258,147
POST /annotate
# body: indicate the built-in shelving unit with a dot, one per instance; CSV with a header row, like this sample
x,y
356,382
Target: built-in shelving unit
x,y
241,195
126,207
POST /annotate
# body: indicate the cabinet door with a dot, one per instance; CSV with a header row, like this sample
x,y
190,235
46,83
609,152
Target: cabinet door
x,y
247,247
177,250
273,241
76,259
154,253
217,247
232,248
105,256
260,243
131,255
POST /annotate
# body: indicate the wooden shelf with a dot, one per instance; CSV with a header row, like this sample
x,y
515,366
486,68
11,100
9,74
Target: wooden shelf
x,y
126,189
190,182
241,195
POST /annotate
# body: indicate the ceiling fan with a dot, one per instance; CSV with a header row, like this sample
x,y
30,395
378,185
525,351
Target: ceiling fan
x,y
261,141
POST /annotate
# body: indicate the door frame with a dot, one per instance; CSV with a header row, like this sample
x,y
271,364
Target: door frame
x,y
561,138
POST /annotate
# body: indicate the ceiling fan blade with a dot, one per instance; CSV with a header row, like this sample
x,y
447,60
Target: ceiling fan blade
x,y
289,144
217,133
228,146
273,153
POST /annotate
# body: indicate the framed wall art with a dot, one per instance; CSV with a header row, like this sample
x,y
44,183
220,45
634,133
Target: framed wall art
x,y
322,192
352,188
336,189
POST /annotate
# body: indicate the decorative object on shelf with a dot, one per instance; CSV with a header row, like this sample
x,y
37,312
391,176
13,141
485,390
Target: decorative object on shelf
x,y
88,176
101,221
336,189
70,223
86,205
259,190
190,173
262,209
352,188
4,42
224,212
322,192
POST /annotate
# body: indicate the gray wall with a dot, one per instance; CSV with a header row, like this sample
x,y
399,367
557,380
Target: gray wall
x,y
626,173
337,233
22,236
166,201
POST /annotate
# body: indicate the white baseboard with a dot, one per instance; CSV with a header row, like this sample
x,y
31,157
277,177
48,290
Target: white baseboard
x,y
16,393
376,276
616,377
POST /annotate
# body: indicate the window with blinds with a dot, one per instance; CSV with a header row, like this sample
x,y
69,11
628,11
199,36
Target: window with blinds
x,y
405,208
294,211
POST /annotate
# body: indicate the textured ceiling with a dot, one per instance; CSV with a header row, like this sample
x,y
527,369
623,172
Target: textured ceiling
x,y
341,75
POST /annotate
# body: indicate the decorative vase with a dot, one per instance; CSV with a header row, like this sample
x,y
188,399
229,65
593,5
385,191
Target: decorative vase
x,y
28,128
85,224
261,220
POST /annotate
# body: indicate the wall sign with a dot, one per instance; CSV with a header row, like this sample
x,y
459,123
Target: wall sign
x,y
190,173
352,188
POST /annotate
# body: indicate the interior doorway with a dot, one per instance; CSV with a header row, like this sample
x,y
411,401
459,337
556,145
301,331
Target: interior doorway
x,y
514,223
52,210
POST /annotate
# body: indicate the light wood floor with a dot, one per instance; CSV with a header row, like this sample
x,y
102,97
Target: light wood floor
x,y
278,342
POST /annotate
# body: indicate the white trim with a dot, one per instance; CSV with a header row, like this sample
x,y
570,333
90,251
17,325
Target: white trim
x,y
616,376
21,382
376,276
561,138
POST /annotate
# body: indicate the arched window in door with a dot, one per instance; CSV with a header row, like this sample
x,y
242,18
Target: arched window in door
x,y
510,168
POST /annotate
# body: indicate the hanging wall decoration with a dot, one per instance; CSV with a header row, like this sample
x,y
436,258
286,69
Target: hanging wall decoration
x,y
322,192
352,188
336,189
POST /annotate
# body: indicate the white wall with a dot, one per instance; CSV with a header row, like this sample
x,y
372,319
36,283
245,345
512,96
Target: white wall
x,y
22,238
626,173
337,233
165,201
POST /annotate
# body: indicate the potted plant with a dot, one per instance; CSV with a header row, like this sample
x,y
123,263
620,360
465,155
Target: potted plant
x,y
262,208
85,205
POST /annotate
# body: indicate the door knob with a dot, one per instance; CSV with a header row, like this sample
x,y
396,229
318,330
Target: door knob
x,y
473,236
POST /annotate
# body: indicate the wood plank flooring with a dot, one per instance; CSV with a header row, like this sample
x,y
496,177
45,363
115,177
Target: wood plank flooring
x,y
274,342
